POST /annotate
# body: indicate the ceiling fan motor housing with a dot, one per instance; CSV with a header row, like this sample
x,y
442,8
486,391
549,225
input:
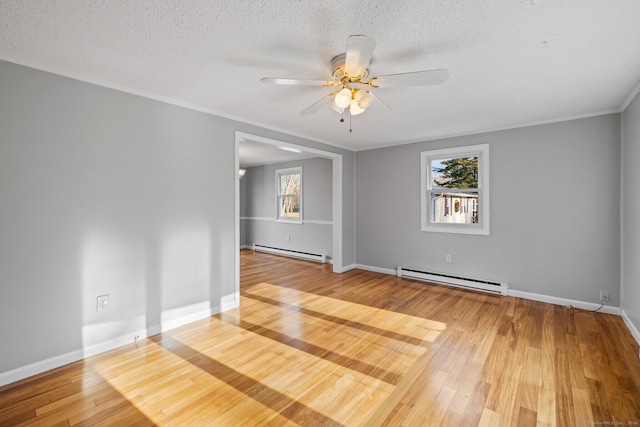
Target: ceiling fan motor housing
x,y
337,65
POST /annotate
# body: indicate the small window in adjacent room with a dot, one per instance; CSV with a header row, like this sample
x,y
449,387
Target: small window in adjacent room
x,y
455,190
289,195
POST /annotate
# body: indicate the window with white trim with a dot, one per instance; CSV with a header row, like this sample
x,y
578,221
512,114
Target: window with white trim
x,y
289,195
455,190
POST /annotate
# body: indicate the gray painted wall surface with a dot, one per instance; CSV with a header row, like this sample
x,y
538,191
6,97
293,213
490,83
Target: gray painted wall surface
x,y
259,198
630,282
107,192
554,210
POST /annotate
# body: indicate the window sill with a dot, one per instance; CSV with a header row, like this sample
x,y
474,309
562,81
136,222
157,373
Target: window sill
x,y
289,221
456,229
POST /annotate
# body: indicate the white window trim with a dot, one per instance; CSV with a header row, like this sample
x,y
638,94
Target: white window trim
x,y
426,157
288,171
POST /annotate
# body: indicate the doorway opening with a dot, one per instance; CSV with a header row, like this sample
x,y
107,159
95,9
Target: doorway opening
x,y
336,196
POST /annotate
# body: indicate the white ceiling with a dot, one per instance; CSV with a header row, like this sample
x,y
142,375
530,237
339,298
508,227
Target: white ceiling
x,y
511,62
256,153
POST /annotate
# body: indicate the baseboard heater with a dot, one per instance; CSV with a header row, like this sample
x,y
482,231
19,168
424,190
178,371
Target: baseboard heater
x,y
289,252
447,279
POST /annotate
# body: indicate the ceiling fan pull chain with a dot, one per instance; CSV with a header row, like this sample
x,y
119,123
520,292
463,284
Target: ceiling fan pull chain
x,y
350,116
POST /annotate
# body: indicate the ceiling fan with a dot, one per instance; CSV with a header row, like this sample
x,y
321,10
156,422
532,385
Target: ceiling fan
x,y
351,78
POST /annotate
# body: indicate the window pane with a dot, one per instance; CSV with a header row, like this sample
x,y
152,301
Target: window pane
x,y
459,172
290,207
454,208
290,184
453,190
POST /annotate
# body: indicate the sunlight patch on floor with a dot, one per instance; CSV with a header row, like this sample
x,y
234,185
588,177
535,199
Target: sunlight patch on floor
x,y
283,355
413,326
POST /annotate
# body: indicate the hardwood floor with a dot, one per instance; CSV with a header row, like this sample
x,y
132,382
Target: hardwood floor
x,y
309,347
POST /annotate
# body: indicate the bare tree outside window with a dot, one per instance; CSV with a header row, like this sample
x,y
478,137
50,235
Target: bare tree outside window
x,y
290,190
289,182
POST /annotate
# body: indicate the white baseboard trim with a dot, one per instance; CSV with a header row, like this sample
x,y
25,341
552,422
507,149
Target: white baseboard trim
x,y
188,318
632,328
349,267
530,296
39,367
609,309
73,356
246,247
117,342
228,302
376,269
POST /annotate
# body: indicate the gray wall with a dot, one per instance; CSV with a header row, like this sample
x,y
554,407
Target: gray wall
x,y
630,283
258,196
554,210
106,192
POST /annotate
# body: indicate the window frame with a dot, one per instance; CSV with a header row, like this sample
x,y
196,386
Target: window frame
x,y
288,171
426,189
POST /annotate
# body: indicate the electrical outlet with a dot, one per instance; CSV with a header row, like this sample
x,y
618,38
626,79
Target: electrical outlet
x,y
447,258
288,237
604,296
103,302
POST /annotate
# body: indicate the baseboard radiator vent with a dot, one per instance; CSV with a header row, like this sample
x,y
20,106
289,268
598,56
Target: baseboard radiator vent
x,y
447,279
289,252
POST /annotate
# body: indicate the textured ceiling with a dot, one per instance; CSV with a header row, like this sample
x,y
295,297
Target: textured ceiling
x,y
511,62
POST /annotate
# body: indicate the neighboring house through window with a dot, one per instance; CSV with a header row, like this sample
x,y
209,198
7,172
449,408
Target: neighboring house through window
x,y
289,195
455,190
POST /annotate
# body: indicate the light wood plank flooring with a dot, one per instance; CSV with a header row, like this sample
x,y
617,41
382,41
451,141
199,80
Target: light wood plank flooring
x,y
312,348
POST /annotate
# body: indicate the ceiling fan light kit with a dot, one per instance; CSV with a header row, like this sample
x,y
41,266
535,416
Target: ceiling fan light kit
x,y
343,98
363,98
350,73
354,108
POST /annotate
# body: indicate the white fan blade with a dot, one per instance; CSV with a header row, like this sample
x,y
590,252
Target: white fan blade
x,y
318,104
418,78
359,53
295,82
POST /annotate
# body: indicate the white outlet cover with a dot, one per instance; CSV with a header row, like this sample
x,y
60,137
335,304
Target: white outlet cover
x,y
102,302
